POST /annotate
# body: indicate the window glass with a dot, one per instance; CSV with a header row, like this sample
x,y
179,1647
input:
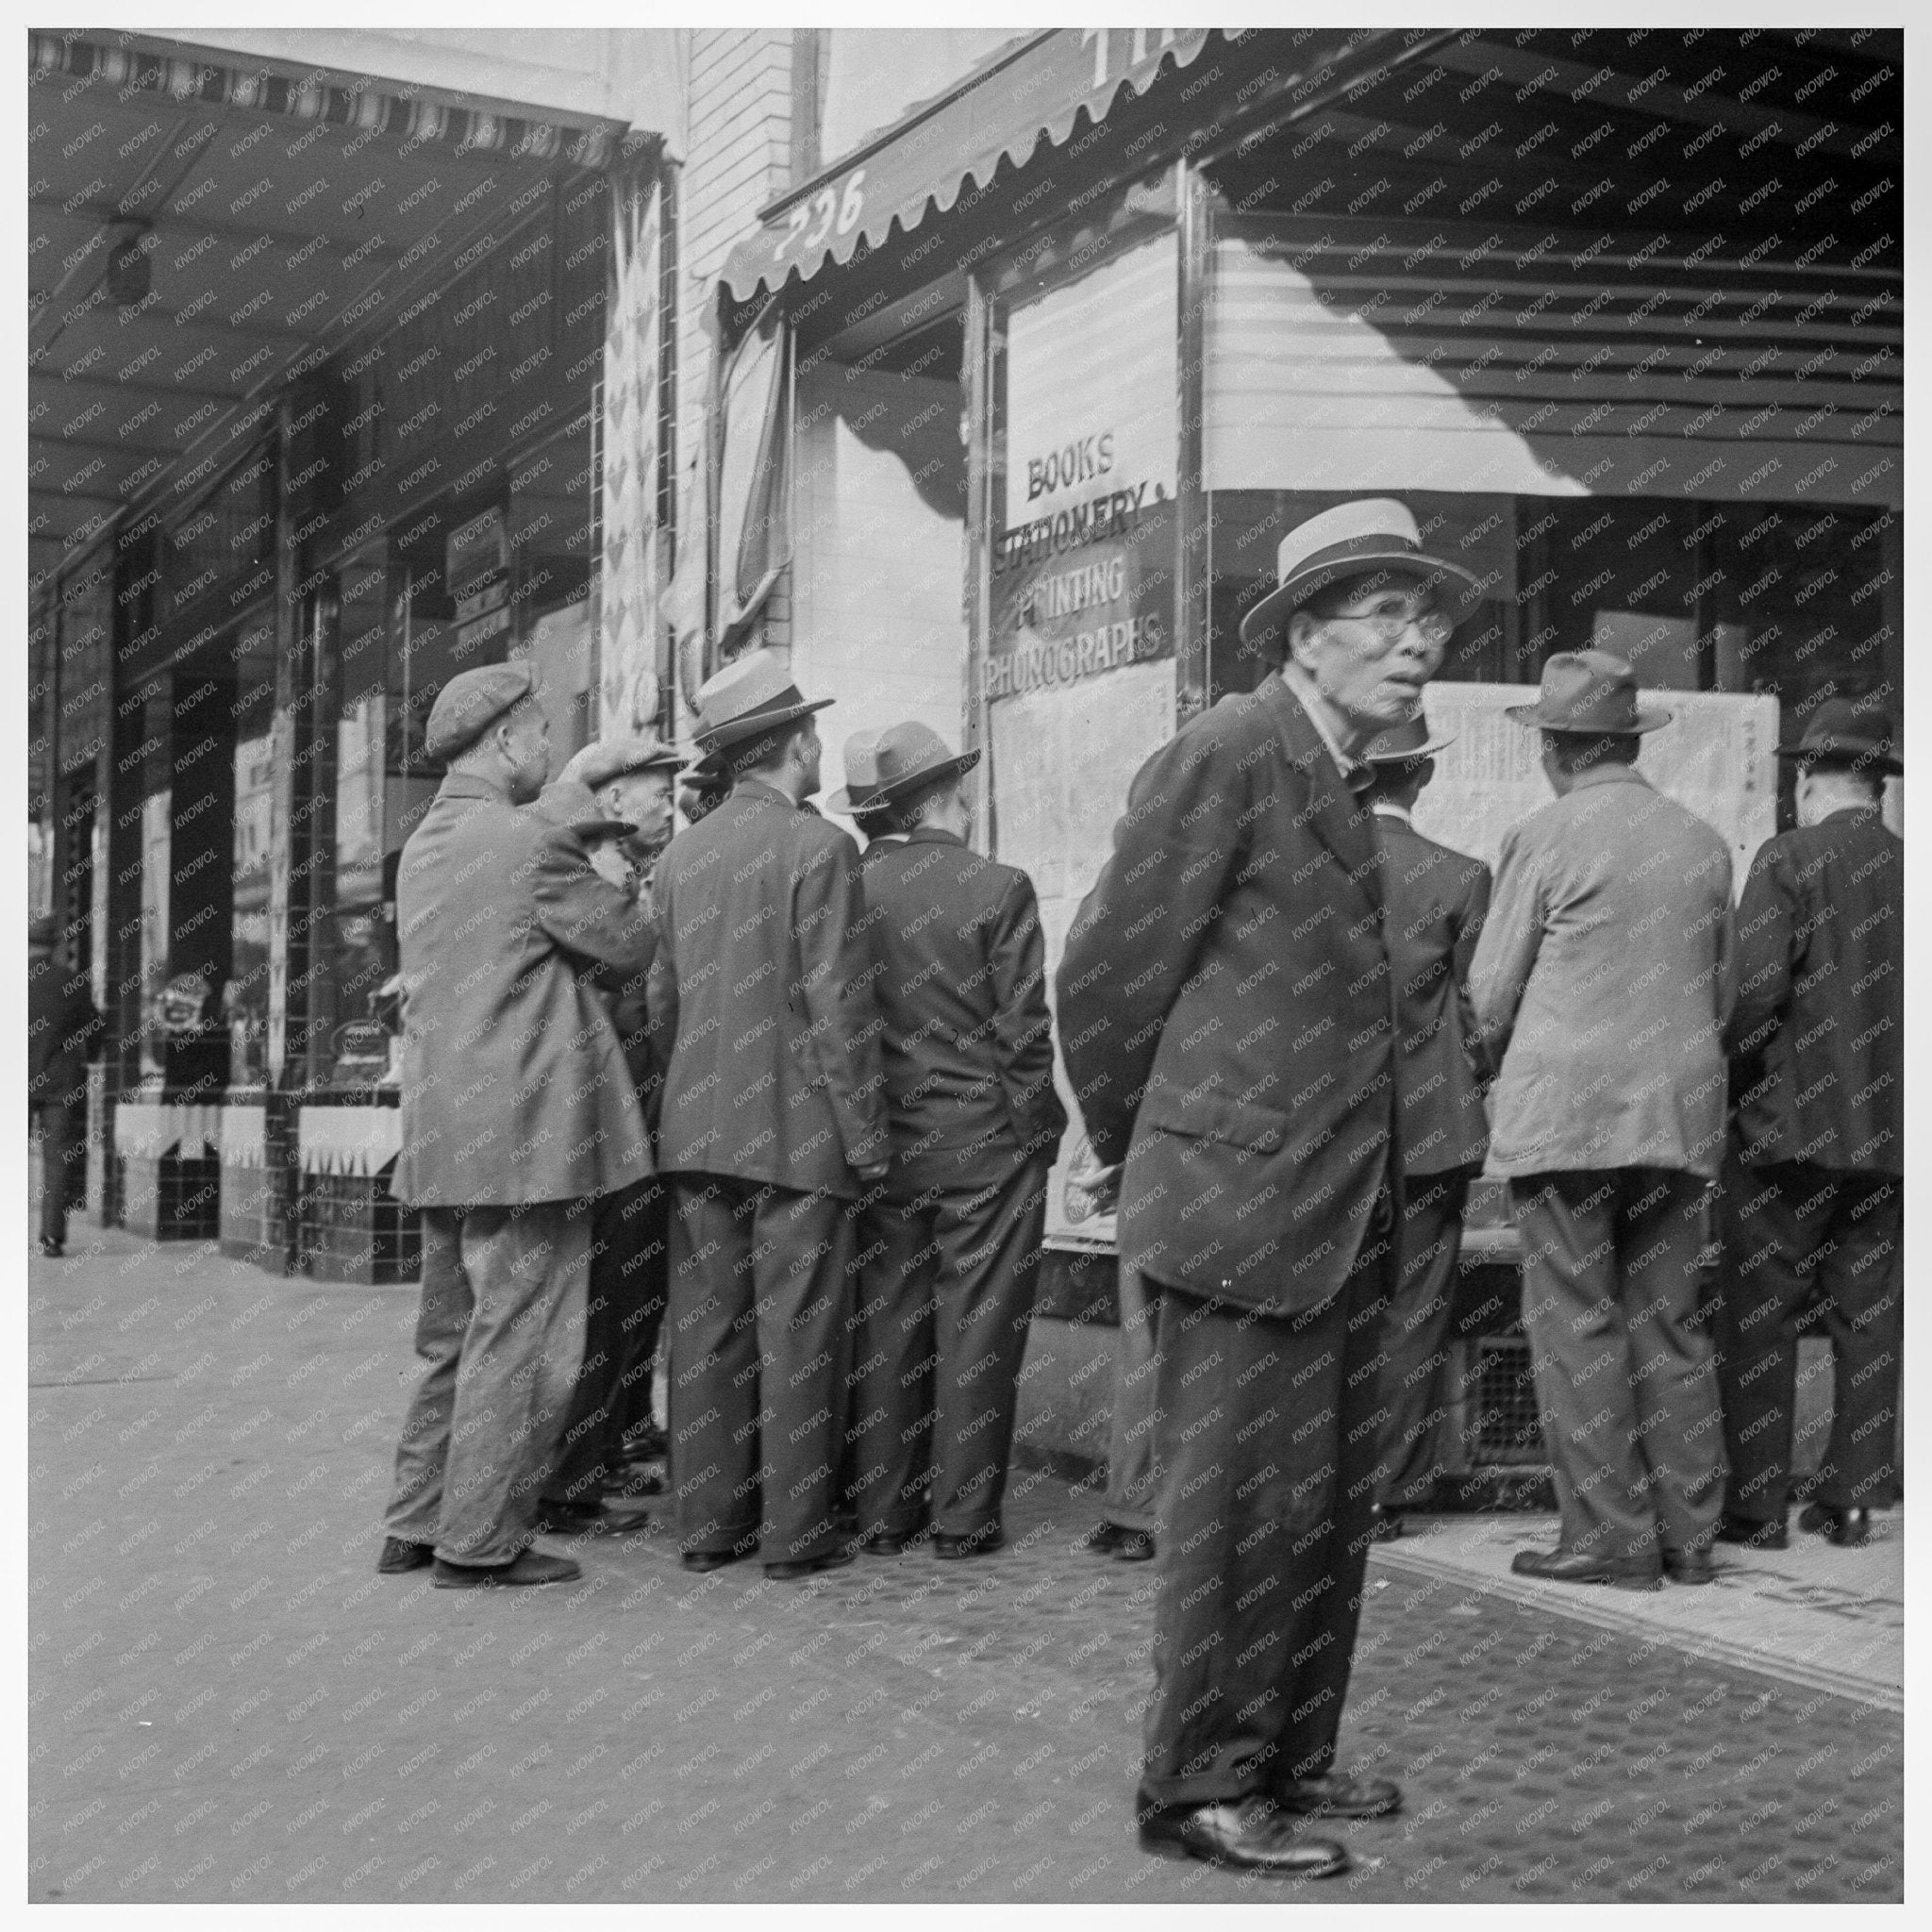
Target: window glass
x,y
244,998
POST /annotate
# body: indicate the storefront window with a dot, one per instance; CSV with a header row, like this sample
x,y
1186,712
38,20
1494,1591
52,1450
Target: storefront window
x,y
244,998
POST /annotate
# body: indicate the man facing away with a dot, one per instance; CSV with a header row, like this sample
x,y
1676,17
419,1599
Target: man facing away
x,y
773,1124
63,1033
1601,983
1226,1014
517,1113
946,1299
1814,1172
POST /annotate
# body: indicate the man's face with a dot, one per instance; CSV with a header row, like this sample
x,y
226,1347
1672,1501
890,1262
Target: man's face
x,y
526,743
1370,655
807,749
645,799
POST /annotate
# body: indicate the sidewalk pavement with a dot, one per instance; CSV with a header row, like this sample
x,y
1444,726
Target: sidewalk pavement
x,y
226,1703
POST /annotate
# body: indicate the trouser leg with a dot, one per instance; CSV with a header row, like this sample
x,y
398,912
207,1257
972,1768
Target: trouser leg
x,y
1573,1315
1679,1423
890,1395
644,1300
989,1265
1862,1266
443,1318
1263,1531
62,1149
1130,1474
802,1265
716,1421
1415,1338
527,1268
585,1452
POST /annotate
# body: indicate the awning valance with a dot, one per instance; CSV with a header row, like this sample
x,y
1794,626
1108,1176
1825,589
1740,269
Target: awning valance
x,y
951,146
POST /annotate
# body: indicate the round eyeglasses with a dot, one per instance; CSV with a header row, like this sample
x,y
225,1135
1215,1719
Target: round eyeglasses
x,y
1436,626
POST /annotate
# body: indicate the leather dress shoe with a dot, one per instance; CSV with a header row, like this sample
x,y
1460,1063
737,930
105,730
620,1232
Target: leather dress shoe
x,y
1135,1547
645,1443
1332,1795
1848,1528
702,1563
400,1556
884,1543
1579,1566
52,1250
1689,1566
1251,1833
588,1517
808,1566
636,1479
1103,1538
974,1542
1385,1526
1753,1532
529,1567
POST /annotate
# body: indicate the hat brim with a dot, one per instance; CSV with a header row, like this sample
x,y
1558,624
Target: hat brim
x,y
1649,718
1841,754
846,806
737,731
928,774
1280,603
1409,757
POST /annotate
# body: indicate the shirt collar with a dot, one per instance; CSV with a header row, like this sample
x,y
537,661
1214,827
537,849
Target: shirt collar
x,y
1354,773
1388,809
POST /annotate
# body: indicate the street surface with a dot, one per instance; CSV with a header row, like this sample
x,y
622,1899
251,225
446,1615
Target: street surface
x,y
228,1704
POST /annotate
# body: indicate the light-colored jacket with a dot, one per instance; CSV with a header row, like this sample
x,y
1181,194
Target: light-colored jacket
x,y
1602,981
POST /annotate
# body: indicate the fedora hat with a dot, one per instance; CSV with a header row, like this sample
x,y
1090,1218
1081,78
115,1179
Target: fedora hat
x,y
861,784
1842,731
1592,693
1360,539
1404,744
752,696
911,755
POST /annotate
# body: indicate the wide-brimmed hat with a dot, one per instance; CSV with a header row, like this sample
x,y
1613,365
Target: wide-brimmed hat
x,y
1843,731
911,755
752,696
1592,693
1374,534
470,704
576,805
861,775
1404,744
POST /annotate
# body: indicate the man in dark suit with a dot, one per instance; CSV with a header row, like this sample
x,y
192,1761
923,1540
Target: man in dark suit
x,y
945,1302
773,1124
1226,1012
1434,901
62,1034
517,1113
1813,1175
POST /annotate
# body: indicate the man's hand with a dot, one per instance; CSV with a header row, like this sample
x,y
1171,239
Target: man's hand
x,y
873,1172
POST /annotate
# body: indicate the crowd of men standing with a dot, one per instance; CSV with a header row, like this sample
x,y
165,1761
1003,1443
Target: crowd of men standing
x,y
795,1105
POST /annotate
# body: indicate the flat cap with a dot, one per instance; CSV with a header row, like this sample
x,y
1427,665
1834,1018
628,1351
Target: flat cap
x,y
576,805
616,758
470,704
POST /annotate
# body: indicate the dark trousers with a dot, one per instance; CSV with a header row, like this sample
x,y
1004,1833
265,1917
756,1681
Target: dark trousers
x,y
1262,1531
1785,1226
946,1294
760,1290
1130,1472
1624,1374
63,1164
1416,1338
629,1262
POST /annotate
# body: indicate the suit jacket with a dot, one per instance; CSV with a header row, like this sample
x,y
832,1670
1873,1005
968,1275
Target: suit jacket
x,y
63,1032
1226,1015
761,999
1602,982
514,1086
1818,1032
1435,901
962,985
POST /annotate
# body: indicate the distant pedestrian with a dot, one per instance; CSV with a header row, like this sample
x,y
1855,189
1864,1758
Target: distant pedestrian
x,y
1813,1193
947,1297
517,1114
1602,983
63,1032
773,1124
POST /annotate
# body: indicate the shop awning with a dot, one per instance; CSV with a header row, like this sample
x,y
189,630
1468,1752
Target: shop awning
x,y
951,146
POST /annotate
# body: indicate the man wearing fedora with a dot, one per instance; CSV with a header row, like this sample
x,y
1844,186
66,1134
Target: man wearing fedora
x,y
1813,1173
772,1125
975,1123
517,1114
1226,1012
1433,902
1602,983
857,799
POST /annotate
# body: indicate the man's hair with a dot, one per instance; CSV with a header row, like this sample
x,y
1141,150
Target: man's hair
x,y
915,806
1582,751
1393,781
766,753
1865,777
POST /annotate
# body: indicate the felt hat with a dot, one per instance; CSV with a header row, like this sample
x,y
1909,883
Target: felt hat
x,y
1404,744
1592,693
912,755
752,696
861,775
1843,731
470,704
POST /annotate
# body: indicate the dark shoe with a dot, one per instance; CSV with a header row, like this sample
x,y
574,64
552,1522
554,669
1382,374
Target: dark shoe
x,y
50,1249
883,1542
559,1518
1847,1528
645,1443
400,1556
1105,1538
1753,1532
974,1542
702,1563
1246,1834
1385,1526
808,1566
1573,1566
1332,1795
1689,1566
637,1479
530,1567
1135,1547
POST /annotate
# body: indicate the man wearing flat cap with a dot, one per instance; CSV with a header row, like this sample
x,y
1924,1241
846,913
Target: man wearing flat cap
x,y
946,1296
1814,1170
1228,1017
772,1125
1602,983
518,1112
